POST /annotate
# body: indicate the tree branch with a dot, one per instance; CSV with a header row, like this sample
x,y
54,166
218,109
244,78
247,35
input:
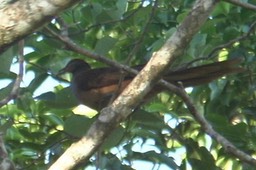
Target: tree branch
x,y
213,52
242,4
6,163
228,146
78,49
231,42
123,106
138,43
16,86
20,18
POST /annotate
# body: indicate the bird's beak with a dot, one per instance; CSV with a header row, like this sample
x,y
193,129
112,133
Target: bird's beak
x,y
62,71
58,75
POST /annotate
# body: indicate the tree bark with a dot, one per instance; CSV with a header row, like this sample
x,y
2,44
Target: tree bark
x,y
23,17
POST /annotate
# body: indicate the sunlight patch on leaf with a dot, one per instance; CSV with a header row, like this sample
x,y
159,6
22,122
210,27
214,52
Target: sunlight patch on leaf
x,y
85,111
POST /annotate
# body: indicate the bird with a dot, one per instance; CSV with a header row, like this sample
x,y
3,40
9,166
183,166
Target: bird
x,y
94,87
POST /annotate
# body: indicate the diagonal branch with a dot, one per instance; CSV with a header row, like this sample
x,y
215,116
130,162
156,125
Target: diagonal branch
x,y
228,146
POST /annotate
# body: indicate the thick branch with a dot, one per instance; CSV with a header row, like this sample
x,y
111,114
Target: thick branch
x,y
111,116
22,17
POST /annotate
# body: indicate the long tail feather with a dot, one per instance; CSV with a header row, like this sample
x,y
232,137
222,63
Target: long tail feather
x,y
204,74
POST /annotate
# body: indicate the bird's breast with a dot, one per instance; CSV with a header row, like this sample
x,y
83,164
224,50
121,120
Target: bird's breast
x,y
97,98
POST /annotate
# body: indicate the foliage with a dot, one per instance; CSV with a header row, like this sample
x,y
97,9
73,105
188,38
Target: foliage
x,y
38,128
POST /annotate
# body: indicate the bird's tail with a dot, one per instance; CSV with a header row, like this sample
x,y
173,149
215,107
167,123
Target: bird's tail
x,y
204,74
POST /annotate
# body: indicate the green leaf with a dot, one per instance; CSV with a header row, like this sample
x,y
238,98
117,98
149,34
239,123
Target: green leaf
x,y
114,138
77,125
198,42
149,120
96,9
4,92
199,157
14,134
46,96
104,45
26,102
217,88
222,8
154,157
6,60
37,81
4,127
162,159
158,107
53,118
26,152
62,99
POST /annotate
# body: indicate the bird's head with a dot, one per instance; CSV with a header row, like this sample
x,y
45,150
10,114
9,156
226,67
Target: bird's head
x,y
74,66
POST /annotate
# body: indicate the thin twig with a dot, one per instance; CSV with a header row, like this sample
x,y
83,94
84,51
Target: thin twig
x,y
213,52
109,22
142,36
242,4
64,26
16,86
135,50
231,42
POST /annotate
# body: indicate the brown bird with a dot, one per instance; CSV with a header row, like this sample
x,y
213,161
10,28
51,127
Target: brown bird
x,y
95,87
